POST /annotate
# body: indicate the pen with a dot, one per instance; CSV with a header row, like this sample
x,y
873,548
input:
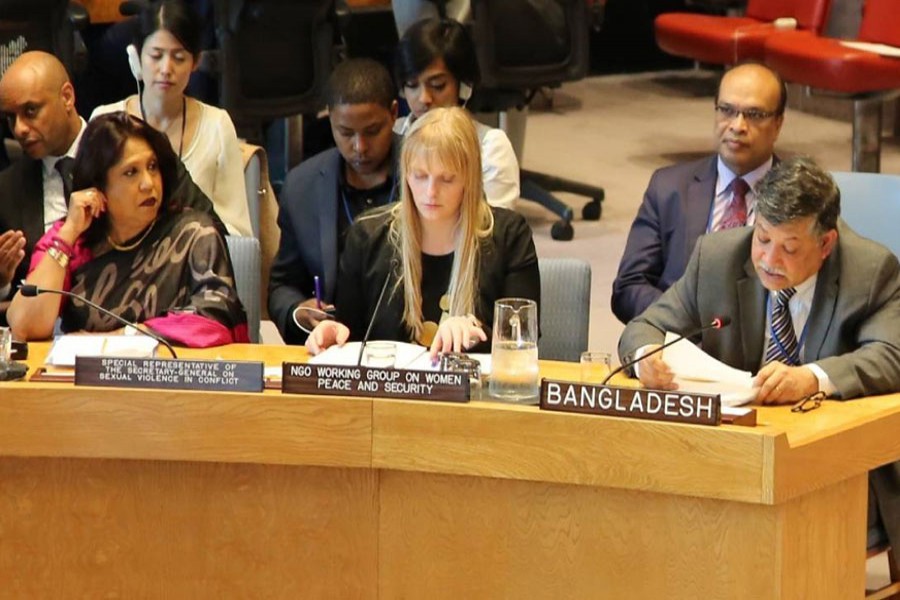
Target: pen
x,y
317,291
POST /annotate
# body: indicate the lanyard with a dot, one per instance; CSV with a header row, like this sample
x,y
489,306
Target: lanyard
x,y
800,342
346,203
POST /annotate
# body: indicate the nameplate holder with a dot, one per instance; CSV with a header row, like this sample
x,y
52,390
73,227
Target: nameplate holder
x,y
403,384
170,374
635,403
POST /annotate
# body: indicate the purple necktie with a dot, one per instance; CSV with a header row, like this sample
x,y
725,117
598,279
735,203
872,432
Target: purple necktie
x,y
736,211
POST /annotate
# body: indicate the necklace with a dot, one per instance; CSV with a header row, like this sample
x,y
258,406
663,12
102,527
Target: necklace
x,y
183,120
132,246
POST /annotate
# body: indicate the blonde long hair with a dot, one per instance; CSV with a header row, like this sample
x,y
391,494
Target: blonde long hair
x,y
446,136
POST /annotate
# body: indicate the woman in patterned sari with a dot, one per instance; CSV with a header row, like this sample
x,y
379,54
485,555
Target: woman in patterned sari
x,y
131,248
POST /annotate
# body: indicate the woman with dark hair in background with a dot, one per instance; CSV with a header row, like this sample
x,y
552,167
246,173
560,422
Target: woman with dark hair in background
x,y
131,248
435,67
165,53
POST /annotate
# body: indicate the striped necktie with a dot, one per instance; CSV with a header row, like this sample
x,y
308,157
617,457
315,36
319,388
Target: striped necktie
x,y
782,340
736,211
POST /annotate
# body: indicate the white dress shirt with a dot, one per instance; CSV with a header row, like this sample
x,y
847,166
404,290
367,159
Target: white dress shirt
x,y
55,207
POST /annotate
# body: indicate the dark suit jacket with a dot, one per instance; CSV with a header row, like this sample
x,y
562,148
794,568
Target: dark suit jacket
x,y
22,205
508,268
853,328
308,218
22,208
674,213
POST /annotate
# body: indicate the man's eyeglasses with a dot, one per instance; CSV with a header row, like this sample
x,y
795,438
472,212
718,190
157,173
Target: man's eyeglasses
x,y
811,402
751,115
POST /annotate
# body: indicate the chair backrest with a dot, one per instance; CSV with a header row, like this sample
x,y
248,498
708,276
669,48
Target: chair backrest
x,y
35,25
870,204
524,44
276,56
880,22
810,14
253,183
565,308
245,259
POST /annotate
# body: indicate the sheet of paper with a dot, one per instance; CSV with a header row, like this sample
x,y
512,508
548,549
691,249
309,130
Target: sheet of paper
x,y
66,347
409,356
697,371
348,355
882,49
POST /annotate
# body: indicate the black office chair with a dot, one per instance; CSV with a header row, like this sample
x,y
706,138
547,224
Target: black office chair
x,y
53,26
275,57
49,25
522,46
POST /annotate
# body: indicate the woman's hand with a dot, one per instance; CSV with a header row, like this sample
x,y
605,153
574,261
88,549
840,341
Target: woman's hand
x,y
326,334
457,334
84,206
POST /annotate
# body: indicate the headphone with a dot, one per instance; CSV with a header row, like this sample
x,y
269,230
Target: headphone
x,y
465,92
465,89
134,62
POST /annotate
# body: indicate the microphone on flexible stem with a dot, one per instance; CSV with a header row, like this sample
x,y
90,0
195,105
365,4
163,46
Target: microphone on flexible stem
x,y
717,323
365,340
30,291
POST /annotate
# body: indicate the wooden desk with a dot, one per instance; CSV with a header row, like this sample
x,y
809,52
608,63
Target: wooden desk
x,y
195,494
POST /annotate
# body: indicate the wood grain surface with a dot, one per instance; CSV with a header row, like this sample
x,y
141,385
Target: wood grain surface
x,y
144,529
150,493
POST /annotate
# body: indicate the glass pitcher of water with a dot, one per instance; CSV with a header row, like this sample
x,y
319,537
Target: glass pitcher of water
x,y
514,353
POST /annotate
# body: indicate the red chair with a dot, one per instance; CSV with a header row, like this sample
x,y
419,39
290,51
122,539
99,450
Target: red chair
x,y
864,77
730,40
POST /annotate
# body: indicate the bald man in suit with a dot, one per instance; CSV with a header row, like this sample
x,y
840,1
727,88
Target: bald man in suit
x,y
815,307
684,201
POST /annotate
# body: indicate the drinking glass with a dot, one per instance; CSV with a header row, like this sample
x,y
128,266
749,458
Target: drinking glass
x,y
594,366
381,355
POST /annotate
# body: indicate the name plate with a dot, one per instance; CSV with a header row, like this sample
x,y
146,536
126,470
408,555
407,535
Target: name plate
x,y
302,378
171,374
612,401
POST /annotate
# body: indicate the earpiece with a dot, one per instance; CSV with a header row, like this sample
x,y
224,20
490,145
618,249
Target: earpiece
x,y
465,91
134,61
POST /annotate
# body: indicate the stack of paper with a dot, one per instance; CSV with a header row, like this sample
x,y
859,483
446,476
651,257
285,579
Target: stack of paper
x,y
66,347
409,356
697,371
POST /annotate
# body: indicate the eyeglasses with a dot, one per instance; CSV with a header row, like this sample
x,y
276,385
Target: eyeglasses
x,y
752,115
811,402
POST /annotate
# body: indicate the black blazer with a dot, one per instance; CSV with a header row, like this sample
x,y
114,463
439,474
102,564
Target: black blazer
x,y
22,208
508,268
308,219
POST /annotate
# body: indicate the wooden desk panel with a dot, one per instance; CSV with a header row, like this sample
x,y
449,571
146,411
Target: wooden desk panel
x,y
474,537
75,528
193,494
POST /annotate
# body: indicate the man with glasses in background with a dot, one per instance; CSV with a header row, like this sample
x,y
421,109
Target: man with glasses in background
x,y
684,201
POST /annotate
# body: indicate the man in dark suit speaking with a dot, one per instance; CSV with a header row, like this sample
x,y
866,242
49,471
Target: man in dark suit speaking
x,y
815,307
324,194
686,200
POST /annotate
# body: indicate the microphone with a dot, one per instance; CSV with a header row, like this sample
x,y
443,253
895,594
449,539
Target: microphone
x,y
30,291
365,340
716,323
